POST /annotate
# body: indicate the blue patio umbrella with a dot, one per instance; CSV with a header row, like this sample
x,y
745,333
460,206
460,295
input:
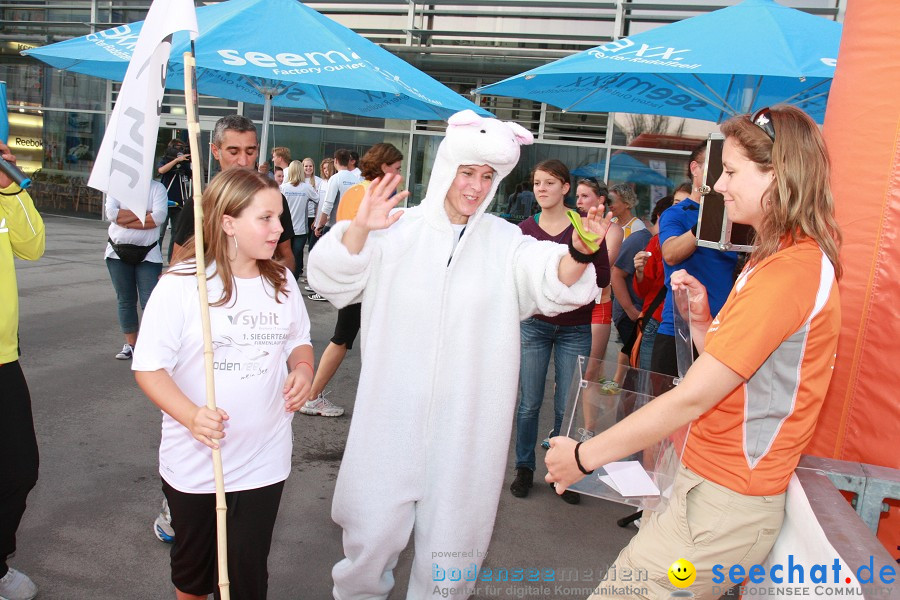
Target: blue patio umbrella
x,y
623,167
709,67
274,52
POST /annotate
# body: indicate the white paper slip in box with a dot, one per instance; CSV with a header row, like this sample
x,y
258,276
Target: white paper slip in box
x,y
630,479
608,481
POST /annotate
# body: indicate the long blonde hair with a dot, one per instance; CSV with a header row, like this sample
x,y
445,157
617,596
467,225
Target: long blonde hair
x,y
799,201
294,173
326,162
230,193
311,180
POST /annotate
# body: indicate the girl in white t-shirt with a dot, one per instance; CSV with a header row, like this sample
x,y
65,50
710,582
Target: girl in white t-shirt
x,y
300,194
310,177
326,170
263,364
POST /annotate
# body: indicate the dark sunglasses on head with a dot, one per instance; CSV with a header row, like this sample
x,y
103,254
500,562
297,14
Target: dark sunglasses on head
x,y
601,185
763,119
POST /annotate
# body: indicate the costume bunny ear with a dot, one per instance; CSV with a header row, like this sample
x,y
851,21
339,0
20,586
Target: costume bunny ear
x,y
524,137
465,117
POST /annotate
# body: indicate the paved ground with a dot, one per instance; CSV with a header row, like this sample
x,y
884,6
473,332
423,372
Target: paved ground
x,y
87,532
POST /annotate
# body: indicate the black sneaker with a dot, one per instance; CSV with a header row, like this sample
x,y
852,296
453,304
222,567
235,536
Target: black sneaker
x,y
570,497
522,483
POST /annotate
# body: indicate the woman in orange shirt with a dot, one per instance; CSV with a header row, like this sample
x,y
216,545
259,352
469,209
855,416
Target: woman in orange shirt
x,y
754,393
380,160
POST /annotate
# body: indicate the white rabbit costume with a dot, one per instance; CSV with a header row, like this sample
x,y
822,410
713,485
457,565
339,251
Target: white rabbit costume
x,y
440,361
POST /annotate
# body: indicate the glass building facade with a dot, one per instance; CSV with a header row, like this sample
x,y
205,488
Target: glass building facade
x,y
57,119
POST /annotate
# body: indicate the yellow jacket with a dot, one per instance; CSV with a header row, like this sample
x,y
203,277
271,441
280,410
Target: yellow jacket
x,y
22,235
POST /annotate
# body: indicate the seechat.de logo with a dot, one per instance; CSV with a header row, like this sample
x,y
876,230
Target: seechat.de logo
x,y
795,572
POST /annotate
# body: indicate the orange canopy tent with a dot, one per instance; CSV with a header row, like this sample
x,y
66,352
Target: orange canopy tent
x,y
860,420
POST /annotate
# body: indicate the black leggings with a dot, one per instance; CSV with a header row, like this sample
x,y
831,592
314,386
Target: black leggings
x,y
347,326
18,455
251,519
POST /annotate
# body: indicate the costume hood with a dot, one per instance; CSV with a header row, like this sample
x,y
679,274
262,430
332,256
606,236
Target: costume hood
x,y
472,140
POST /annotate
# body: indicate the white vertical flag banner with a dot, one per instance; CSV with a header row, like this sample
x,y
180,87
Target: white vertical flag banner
x,y
124,165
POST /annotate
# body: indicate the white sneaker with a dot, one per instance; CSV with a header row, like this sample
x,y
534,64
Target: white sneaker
x,y
16,585
308,289
126,353
162,526
321,406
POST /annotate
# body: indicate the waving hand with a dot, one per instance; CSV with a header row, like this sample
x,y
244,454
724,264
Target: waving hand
x,y
594,223
374,211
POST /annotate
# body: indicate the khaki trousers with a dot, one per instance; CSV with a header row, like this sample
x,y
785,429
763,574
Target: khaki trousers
x,y
705,523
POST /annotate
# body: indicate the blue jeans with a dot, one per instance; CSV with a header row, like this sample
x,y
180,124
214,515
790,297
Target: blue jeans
x,y
538,339
131,281
650,329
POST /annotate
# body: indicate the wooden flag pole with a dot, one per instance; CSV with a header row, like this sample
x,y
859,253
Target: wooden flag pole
x,y
193,125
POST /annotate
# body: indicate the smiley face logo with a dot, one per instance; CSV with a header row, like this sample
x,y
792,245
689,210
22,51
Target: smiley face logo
x,y
682,573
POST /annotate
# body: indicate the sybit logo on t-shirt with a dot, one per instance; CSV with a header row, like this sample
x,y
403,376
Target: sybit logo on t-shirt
x,y
249,319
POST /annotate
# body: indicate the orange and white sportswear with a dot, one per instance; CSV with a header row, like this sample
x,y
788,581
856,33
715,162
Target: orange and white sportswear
x,y
351,200
778,330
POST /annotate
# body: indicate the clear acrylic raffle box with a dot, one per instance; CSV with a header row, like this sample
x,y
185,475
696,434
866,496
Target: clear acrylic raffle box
x,y
596,403
684,344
